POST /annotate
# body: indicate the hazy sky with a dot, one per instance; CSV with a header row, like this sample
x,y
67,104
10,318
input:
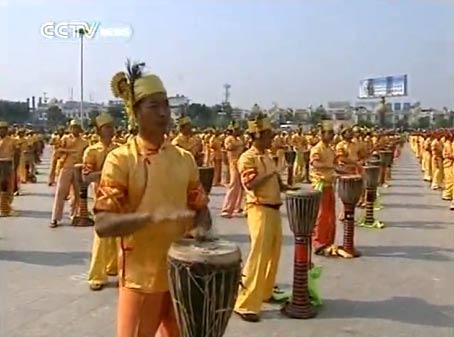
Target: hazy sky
x,y
292,52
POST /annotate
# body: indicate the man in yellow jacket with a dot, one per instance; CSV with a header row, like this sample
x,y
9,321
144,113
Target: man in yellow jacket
x,y
104,251
148,197
261,181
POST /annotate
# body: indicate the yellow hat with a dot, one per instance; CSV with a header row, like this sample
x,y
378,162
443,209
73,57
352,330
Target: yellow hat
x,y
261,123
3,124
143,86
184,121
74,122
103,119
327,125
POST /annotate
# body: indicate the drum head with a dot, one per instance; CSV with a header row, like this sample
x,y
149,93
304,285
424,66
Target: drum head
x,y
303,192
216,252
351,177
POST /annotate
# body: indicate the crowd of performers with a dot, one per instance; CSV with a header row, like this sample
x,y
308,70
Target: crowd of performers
x,y
435,153
148,193
20,151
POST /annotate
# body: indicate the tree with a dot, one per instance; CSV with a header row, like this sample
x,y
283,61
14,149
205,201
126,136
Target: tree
x,y
441,123
201,115
14,112
118,113
55,117
92,114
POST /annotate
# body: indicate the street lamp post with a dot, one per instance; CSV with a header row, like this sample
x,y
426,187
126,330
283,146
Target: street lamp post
x,y
81,34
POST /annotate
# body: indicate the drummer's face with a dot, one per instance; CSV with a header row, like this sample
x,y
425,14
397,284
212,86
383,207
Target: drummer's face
x,y
267,138
3,132
328,136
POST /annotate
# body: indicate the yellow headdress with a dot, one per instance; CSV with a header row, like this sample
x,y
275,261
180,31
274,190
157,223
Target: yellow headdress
x,y
327,125
103,119
259,124
74,123
184,120
133,86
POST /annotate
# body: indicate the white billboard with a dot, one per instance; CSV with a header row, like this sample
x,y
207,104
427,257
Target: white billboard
x,y
389,86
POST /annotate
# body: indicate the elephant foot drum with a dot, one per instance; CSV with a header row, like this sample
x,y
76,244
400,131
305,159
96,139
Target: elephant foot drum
x,y
350,191
290,157
204,278
206,175
302,209
82,219
371,180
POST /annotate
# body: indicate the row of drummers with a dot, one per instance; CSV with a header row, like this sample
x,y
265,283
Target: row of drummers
x,y
311,218
435,153
20,151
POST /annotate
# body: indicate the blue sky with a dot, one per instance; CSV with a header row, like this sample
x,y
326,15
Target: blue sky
x,y
291,52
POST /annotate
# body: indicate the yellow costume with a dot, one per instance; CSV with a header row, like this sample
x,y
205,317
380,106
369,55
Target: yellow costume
x,y
104,250
427,159
437,164
448,167
265,229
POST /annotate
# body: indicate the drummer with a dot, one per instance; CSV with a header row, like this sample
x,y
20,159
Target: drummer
x,y
149,195
72,148
262,183
104,251
8,150
322,172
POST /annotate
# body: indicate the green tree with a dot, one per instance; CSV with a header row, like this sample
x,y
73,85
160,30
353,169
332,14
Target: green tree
x,y
14,112
118,113
55,117
442,123
201,115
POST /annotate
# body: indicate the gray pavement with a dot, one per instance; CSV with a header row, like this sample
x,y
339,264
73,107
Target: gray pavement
x,y
403,285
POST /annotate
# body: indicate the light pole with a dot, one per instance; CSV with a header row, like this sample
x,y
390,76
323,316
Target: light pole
x,y
82,114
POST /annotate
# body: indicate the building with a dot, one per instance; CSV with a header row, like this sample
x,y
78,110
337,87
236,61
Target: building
x,y
178,105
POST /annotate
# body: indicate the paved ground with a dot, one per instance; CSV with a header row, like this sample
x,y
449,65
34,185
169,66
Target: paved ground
x,y
402,286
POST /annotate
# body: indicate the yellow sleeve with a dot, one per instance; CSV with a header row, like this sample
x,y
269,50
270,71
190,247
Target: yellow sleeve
x,y
196,196
248,169
113,187
315,154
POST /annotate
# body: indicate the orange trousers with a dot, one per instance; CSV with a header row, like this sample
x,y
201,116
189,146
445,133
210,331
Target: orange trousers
x,y
325,228
143,314
217,172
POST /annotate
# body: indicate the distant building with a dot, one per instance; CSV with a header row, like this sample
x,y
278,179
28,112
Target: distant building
x,y
178,105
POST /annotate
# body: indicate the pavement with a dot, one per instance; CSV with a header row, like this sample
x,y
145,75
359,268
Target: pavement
x,y
402,286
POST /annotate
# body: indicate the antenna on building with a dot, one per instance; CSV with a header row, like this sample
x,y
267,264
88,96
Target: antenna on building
x,y
71,94
227,93
45,97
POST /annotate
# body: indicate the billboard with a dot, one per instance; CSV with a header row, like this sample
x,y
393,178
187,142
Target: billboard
x,y
389,86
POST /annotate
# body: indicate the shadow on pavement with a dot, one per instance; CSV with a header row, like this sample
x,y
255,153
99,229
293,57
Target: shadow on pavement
x,y
244,238
418,224
45,195
409,252
35,214
400,309
407,185
412,206
53,259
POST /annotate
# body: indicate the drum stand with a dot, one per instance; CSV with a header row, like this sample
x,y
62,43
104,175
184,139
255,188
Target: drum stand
x,y
300,305
83,218
369,219
347,250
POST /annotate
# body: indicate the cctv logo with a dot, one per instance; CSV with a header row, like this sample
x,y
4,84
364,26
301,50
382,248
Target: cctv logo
x,y
69,29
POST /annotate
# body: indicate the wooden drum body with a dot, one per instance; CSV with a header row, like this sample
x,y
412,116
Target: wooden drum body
x,y
290,157
371,176
204,281
82,219
302,210
350,191
206,175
